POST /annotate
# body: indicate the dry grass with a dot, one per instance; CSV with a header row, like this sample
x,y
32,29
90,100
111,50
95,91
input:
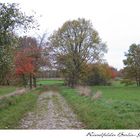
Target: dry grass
x,y
97,96
87,92
84,91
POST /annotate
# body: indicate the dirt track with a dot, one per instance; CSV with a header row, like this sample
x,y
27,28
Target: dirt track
x,y
51,112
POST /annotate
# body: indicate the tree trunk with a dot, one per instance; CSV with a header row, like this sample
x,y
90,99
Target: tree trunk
x,y
34,81
30,83
73,80
24,80
8,83
139,82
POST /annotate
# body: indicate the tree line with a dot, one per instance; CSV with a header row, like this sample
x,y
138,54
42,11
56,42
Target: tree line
x,y
75,51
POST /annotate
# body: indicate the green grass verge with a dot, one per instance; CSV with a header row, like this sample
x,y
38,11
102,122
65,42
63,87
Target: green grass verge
x,y
119,108
15,107
6,89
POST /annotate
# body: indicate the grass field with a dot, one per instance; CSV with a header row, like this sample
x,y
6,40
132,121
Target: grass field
x,y
118,108
6,89
12,109
119,93
50,82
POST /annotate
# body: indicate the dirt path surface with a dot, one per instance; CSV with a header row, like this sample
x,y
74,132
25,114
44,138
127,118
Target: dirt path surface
x,y
51,112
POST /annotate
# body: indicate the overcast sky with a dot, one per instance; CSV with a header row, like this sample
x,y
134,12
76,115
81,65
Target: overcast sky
x,y
117,21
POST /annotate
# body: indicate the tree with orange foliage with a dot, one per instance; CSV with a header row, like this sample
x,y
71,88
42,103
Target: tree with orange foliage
x,y
24,67
99,74
114,72
32,57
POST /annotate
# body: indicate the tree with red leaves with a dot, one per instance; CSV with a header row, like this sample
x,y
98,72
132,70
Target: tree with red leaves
x,y
24,67
114,72
29,59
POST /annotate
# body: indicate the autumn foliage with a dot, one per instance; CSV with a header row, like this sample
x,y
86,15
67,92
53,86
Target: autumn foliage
x,y
27,63
100,74
24,64
113,72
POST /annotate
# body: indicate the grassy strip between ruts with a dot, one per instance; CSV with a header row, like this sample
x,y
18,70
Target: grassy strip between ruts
x,y
15,107
104,113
